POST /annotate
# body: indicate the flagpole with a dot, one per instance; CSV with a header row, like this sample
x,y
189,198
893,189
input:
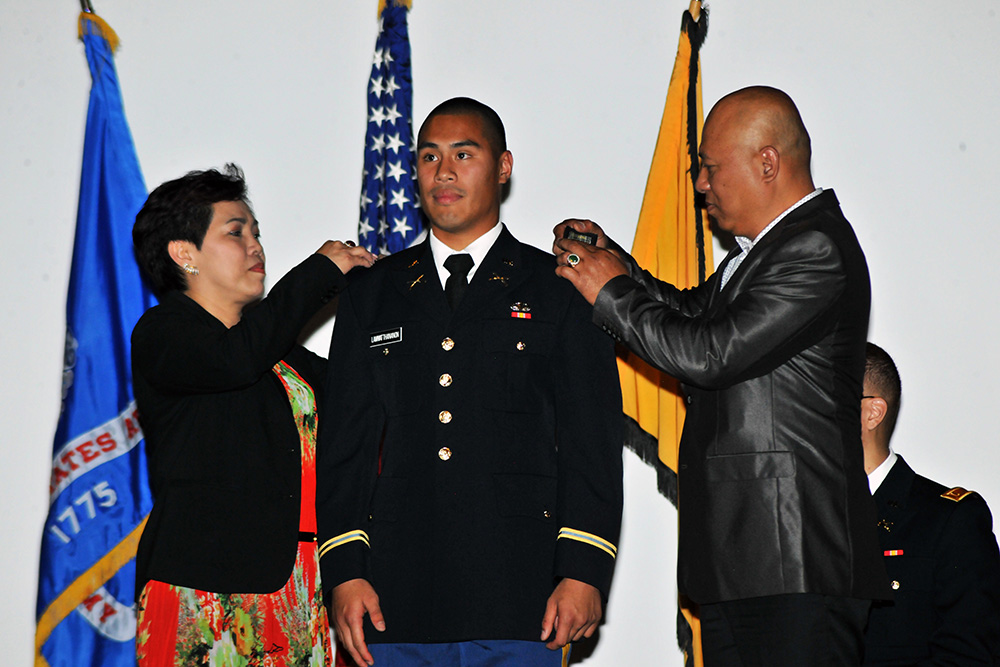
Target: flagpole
x,y
672,242
98,491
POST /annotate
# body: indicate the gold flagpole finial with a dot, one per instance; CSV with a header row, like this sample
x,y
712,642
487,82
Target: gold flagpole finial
x,y
91,22
695,9
400,3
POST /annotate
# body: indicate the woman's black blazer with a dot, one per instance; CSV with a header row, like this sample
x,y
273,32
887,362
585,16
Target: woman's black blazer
x,y
223,450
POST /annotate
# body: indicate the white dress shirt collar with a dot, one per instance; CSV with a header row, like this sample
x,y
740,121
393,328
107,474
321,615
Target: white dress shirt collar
x,y
877,476
478,249
747,244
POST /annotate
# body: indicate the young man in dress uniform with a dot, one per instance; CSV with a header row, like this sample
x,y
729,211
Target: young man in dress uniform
x,y
939,549
470,465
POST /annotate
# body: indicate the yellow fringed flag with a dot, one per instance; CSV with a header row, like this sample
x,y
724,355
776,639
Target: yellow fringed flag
x,y
673,242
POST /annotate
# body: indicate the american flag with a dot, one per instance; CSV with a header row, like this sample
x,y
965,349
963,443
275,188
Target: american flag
x,y
390,219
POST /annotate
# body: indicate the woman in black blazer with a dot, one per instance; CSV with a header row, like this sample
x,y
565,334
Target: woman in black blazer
x,y
227,561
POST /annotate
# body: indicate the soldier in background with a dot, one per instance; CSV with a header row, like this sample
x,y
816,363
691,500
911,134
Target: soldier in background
x,y
939,549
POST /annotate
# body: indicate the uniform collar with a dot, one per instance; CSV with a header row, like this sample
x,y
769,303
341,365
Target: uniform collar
x,y
877,476
478,249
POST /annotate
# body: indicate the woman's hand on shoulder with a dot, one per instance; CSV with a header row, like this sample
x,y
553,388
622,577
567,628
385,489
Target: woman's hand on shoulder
x,y
346,255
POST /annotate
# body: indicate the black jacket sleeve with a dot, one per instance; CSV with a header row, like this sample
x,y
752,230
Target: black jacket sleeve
x,y
193,352
761,327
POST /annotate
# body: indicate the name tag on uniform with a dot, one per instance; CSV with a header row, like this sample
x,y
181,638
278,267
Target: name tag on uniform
x,y
386,337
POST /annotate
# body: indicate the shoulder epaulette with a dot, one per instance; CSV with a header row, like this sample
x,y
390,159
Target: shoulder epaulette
x,y
956,494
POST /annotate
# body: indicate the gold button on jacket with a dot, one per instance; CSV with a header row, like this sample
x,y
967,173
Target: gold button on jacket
x,y
458,444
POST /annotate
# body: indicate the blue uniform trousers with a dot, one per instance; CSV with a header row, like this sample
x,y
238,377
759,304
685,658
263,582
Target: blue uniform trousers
x,y
491,653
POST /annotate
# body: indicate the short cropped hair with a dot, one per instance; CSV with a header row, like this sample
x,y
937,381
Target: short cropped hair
x,y
882,377
466,106
181,210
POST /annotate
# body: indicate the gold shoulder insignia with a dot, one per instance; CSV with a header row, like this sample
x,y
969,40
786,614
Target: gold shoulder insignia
x,y
956,494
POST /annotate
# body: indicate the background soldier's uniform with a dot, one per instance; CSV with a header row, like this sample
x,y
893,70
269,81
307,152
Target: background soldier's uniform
x,y
943,561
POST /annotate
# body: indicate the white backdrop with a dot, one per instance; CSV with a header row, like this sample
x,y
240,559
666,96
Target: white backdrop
x,y
900,96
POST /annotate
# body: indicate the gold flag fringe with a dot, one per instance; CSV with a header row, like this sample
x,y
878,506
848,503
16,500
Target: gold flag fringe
x,y
99,25
399,3
84,586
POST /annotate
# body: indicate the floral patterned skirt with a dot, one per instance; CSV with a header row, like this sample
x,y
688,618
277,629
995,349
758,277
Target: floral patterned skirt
x,y
180,626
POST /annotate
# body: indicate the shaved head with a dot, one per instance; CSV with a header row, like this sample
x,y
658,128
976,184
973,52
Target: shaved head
x,y
763,116
755,157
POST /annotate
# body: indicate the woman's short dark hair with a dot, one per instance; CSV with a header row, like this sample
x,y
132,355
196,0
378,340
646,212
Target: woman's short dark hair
x,y
181,210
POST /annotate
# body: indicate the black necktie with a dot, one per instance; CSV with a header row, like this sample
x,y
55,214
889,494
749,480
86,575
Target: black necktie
x,y
458,282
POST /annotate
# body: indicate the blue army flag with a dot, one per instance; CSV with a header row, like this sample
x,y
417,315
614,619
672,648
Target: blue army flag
x,y
390,219
98,491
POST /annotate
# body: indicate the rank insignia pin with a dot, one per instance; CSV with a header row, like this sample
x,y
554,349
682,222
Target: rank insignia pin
x,y
416,282
413,263
502,279
520,310
956,494
509,262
